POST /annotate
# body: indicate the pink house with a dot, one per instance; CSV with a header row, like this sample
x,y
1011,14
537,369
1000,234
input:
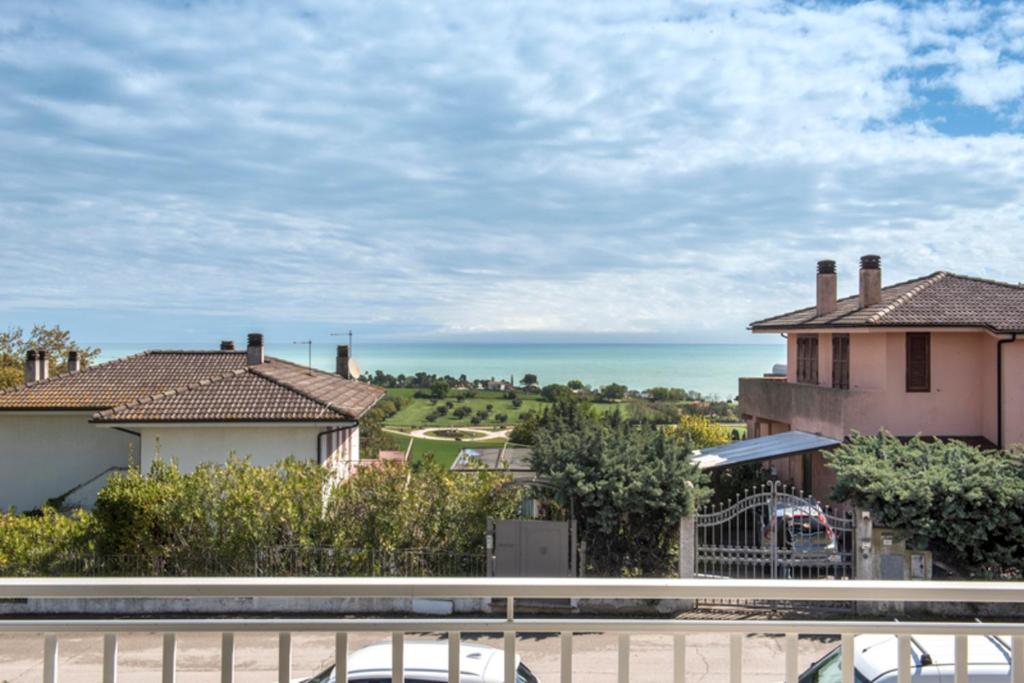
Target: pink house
x,y
941,355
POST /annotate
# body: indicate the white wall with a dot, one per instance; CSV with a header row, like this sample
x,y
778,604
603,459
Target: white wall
x,y
192,445
43,455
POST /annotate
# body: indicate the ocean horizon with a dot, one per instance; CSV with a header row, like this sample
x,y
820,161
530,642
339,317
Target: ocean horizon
x,y
711,369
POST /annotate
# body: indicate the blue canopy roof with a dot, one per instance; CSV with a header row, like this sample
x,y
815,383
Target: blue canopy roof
x,y
761,448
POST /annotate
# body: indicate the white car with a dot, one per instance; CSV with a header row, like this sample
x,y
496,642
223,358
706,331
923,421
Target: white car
x,y
932,660
426,662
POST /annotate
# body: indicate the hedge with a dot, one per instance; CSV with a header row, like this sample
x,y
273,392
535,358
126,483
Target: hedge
x,y
964,503
228,519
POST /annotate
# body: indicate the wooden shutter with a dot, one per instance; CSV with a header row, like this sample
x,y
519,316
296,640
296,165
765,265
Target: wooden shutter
x,y
841,361
807,359
919,362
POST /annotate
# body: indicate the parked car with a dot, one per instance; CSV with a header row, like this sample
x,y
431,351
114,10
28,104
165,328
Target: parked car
x,y
932,660
426,662
803,536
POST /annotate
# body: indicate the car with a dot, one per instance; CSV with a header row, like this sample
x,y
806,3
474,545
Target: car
x,y
803,536
426,662
932,659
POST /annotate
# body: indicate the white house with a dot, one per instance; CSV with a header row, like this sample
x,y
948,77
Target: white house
x,y
63,435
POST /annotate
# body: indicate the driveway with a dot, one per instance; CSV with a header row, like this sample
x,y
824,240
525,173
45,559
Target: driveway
x,y
594,659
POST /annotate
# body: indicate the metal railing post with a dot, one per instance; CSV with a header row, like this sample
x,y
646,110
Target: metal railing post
x,y
341,656
397,657
169,656
903,658
284,657
623,658
679,659
227,658
50,653
565,665
110,658
454,657
792,669
847,648
736,658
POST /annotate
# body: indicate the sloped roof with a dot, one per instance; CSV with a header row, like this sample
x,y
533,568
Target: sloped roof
x,y
198,386
941,299
761,448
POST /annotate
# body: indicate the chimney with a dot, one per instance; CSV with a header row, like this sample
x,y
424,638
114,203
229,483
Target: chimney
x,y
44,364
254,352
341,362
227,345
870,280
74,363
31,366
826,287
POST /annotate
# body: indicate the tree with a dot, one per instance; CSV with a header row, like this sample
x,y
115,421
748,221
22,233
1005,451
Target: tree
x,y
528,379
628,484
575,385
55,340
613,392
554,392
698,432
439,389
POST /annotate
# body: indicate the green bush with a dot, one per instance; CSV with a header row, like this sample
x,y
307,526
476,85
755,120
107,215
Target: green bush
x,y
41,544
628,484
964,503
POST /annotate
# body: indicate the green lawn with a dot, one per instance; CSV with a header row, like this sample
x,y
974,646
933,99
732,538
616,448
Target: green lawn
x,y
444,452
415,414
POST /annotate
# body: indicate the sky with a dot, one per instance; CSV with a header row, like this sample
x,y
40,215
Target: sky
x,y
631,171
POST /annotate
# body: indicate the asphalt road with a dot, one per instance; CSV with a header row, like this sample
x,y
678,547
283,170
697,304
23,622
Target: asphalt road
x,y
594,660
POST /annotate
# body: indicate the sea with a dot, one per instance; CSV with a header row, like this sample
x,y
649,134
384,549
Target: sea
x,y
711,369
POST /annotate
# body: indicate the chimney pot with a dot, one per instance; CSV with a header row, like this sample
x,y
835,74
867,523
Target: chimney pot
x,y
227,345
44,364
870,280
826,287
74,362
341,362
31,366
254,352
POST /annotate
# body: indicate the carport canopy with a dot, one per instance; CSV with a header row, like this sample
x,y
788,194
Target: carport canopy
x,y
761,448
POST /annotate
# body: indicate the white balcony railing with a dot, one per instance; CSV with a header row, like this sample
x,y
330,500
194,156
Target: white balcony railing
x,y
512,589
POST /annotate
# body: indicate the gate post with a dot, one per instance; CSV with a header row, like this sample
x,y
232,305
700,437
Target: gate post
x,y
687,554
687,547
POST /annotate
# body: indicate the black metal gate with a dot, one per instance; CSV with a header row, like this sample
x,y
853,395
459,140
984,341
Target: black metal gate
x,y
774,532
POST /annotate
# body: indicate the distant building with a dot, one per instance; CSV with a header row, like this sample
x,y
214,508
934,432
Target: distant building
x,y
940,356
63,435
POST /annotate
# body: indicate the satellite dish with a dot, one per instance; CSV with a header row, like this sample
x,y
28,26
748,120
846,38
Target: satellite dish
x,y
353,369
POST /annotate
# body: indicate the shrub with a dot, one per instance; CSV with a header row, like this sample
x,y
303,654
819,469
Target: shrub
x,y
964,503
41,544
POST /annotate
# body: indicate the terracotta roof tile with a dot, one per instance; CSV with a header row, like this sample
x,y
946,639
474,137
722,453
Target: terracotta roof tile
x,y
188,386
938,300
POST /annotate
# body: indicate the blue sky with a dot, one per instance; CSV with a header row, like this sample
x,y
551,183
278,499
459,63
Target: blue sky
x,y
653,171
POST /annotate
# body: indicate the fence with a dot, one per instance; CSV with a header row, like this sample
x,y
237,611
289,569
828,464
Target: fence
x,y
300,561
511,625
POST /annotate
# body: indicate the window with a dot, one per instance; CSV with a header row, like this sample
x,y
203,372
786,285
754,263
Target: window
x,y
841,361
807,359
919,361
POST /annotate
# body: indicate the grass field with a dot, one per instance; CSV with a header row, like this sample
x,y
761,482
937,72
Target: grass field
x,y
415,414
444,452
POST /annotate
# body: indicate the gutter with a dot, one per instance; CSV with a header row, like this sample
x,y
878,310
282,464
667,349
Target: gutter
x,y
999,388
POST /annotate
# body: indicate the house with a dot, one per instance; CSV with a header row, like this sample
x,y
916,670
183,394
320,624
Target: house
x,y
940,355
63,435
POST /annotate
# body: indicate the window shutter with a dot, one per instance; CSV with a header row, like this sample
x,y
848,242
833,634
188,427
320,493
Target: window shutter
x,y
919,361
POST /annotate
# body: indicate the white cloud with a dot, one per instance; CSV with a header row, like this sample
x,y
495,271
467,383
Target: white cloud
x,y
661,168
